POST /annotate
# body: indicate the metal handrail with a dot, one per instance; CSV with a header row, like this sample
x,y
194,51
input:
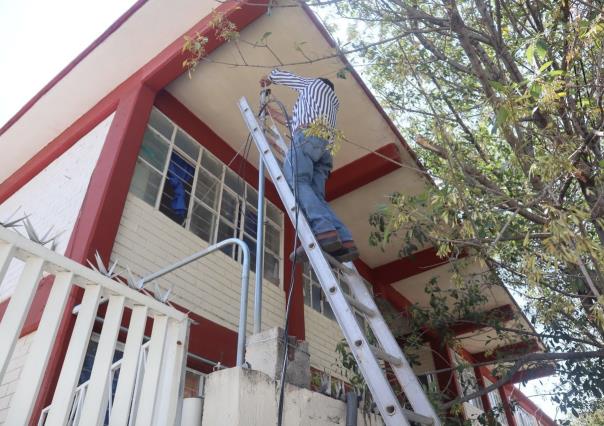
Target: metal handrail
x,y
245,274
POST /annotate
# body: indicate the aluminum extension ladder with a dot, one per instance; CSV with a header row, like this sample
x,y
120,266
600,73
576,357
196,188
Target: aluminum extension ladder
x,y
365,354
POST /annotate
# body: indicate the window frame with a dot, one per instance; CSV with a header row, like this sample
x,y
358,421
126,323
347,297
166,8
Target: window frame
x,y
221,186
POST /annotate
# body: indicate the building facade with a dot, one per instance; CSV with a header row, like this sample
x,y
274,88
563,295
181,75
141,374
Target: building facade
x,y
131,157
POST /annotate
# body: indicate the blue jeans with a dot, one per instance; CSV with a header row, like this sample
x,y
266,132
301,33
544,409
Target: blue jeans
x,y
308,164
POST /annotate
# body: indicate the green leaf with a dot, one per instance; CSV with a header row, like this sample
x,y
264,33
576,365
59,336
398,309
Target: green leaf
x,y
530,53
535,90
502,115
556,73
541,49
545,66
497,85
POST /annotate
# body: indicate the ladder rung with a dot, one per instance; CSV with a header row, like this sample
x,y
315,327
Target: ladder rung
x,y
358,305
379,353
417,418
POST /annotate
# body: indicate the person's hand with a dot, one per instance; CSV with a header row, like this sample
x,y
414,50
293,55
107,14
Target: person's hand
x,y
264,81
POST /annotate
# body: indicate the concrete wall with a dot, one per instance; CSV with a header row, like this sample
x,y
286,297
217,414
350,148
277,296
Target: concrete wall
x,y
53,198
148,240
238,397
13,371
322,335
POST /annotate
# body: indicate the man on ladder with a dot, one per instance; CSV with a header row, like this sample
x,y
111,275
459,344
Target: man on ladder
x,y
309,161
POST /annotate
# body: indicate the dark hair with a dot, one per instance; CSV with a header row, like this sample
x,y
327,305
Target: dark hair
x,y
328,82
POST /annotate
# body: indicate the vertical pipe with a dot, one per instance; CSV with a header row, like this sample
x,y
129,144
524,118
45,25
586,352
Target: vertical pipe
x,y
351,408
243,304
260,228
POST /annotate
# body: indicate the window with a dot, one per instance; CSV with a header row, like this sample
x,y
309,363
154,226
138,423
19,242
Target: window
x,y
467,380
523,418
496,404
315,298
184,181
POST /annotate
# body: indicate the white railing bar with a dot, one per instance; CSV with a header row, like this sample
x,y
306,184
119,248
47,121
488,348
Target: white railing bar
x,y
127,378
146,408
84,275
95,403
72,364
18,308
171,383
140,373
35,365
7,251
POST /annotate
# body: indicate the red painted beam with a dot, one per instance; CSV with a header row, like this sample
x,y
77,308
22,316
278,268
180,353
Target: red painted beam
x,y
501,313
519,348
296,323
406,267
101,212
528,405
362,171
529,374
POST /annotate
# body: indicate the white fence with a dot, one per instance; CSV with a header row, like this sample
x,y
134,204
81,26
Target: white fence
x,y
158,395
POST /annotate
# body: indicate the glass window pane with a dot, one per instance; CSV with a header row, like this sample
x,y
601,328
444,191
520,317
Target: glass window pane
x,y
154,150
273,213
251,221
160,123
145,182
233,181
225,231
252,246
229,206
272,238
271,268
187,144
327,310
207,189
192,384
211,164
202,222
316,298
177,189
251,196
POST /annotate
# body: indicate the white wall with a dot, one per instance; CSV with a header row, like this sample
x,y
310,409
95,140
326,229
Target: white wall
x,y
53,198
13,371
148,240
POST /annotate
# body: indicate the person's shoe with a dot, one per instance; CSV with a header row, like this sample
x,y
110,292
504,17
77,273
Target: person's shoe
x,y
347,253
328,241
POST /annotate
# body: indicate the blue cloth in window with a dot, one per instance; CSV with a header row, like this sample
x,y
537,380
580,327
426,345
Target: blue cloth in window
x,y
179,173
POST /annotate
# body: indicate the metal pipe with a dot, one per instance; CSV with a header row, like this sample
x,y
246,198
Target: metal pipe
x,y
245,275
260,227
351,408
245,284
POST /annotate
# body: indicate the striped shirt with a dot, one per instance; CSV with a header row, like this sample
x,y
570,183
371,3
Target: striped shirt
x,y
316,100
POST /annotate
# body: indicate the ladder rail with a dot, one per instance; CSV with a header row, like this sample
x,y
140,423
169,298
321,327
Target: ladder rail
x,y
383,394
404,373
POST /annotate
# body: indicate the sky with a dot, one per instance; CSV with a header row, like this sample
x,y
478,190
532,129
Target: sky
x,y
38,38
